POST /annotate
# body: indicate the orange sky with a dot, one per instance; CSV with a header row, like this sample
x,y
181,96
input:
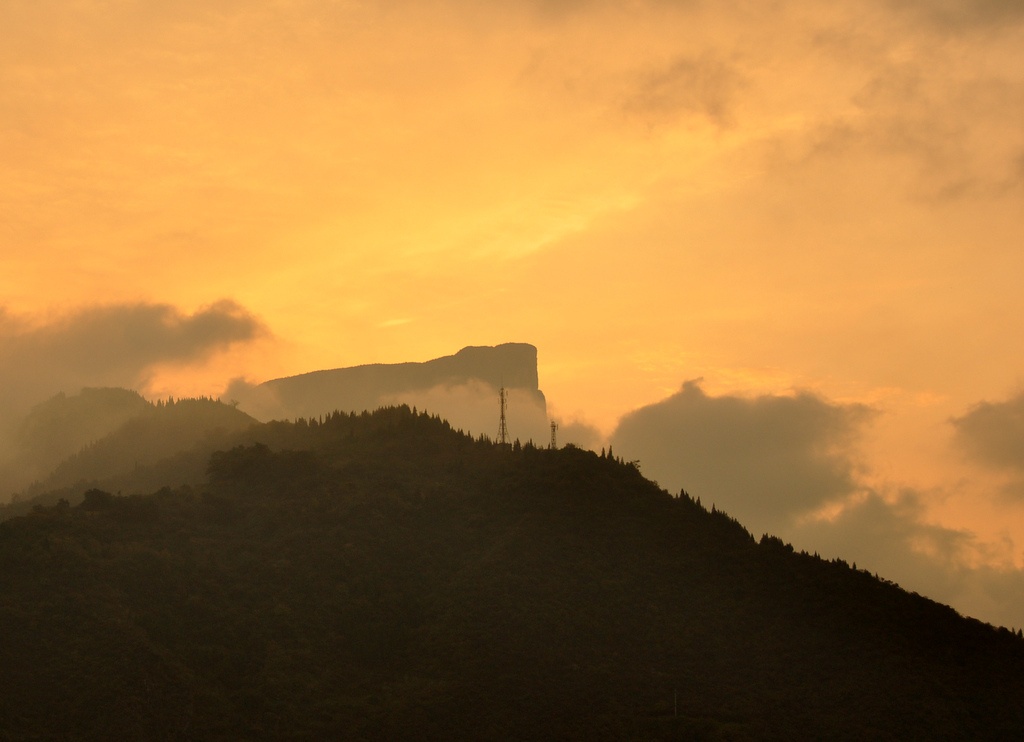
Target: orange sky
x,y
770,196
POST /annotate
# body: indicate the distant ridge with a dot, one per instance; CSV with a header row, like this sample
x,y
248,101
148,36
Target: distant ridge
x,y
131,443
60,427
63,424
366,387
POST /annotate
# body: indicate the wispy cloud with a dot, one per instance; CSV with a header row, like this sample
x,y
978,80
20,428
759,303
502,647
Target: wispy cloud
x,y
953,16
109,345
689,85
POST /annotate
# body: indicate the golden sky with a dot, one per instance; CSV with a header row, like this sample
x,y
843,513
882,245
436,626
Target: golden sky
x,y
774,197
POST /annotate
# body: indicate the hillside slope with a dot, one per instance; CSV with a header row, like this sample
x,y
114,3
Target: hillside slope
x,y
384,577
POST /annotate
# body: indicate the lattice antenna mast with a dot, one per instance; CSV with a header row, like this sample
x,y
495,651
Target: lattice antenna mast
x,y
554,440
502,425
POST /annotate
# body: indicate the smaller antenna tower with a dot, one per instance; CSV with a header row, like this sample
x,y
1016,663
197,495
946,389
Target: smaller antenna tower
x,y
554,429
502,425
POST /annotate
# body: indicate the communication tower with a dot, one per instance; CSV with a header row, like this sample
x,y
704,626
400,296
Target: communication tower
x,y
554,441
502,425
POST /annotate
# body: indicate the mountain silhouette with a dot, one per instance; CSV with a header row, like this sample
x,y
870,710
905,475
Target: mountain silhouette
x,y
367,387
383,576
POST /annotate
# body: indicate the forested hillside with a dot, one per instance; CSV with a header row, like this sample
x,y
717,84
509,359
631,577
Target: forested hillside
x,y
385,577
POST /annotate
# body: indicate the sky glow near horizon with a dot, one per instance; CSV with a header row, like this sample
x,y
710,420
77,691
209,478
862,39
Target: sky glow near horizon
x,y
819,203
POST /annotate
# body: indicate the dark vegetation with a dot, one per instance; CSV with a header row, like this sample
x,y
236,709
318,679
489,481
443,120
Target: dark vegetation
x,y
385,577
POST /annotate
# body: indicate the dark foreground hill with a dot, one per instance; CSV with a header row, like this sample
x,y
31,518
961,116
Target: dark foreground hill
x,y
384,577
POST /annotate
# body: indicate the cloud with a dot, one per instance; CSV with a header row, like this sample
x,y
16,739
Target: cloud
x,y
949,128
1016,178
113,345
762,460
562,10
962,15
890,535
935,120
473,406
992,434
703,85
578,433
